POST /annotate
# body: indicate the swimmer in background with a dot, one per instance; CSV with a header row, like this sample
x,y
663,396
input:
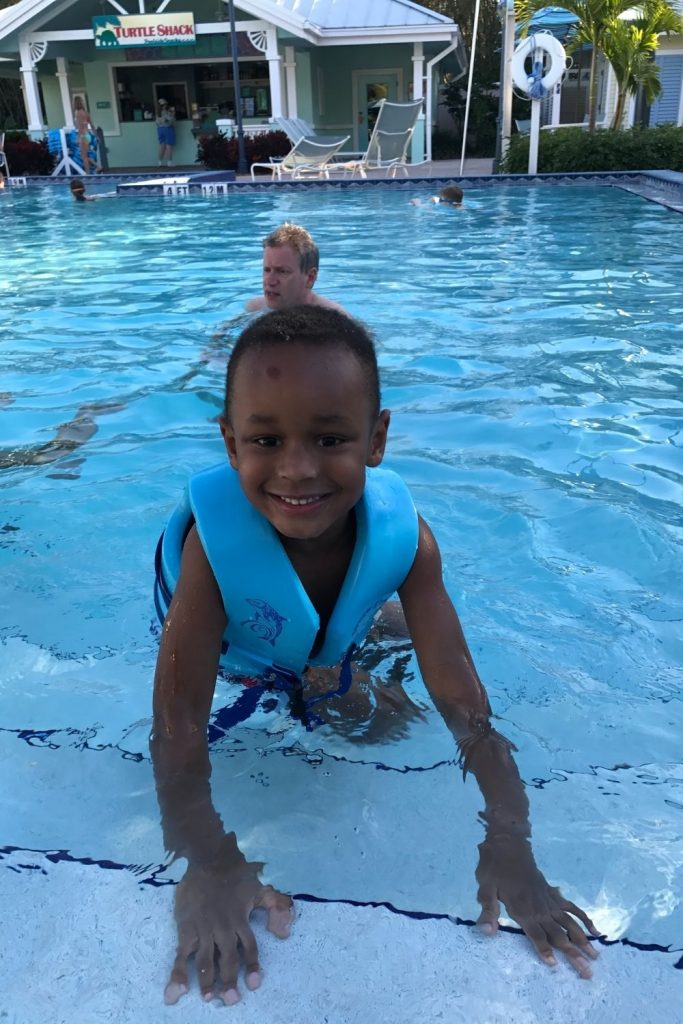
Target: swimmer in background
x,y
301,424
78,191
290,267
450,195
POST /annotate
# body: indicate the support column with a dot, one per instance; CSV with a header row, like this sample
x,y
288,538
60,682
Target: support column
x,y
424,121
508,49
29,81
274,73
62,77
556,103
418,71
290,82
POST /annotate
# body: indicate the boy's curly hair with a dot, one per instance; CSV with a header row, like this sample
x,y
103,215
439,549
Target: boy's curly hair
x,y
317,326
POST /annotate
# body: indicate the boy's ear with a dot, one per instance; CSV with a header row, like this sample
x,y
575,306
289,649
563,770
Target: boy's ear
x,y
378,441
228,440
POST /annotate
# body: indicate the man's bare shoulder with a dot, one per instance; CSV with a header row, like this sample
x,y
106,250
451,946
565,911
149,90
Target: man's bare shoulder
x,y
255,304
320,300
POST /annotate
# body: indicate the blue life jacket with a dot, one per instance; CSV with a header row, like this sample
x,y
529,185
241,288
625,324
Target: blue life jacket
x,y
271,621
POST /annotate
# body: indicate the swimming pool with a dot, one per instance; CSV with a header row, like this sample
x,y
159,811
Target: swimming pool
x,y
530,352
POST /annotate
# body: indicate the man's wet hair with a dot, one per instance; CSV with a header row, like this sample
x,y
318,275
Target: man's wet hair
x,y
299,240
314,326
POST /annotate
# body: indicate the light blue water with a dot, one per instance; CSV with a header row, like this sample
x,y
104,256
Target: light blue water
x,y
530,348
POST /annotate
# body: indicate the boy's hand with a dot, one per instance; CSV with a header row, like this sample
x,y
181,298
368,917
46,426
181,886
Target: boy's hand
x,y
507,872
212,909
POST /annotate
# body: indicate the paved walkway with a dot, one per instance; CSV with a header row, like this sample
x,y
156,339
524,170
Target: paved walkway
x,y
432,169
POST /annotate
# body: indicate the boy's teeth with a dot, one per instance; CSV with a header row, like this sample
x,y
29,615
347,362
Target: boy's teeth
x,y
299,501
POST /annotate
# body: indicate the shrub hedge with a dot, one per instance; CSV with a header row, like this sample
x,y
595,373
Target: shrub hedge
x,y
575,149
219,153
25,156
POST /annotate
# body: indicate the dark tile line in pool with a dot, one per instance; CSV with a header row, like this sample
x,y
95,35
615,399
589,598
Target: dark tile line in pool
x,y
154,871
81,739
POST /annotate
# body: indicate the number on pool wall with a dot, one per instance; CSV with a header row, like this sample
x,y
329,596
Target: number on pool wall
x,y
176,190
214,188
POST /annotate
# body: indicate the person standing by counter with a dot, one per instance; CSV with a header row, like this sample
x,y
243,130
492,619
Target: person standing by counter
x,y
166,132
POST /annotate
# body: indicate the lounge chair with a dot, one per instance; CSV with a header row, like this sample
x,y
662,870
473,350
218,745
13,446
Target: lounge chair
x,y
307,158
3,155
389,142
295,128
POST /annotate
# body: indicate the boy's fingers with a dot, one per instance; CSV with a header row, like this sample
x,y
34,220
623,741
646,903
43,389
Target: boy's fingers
x,y
178,983
249,950
536,934
173,991
554,935
576,935
490,909
205,968
571,908
280,911
228,966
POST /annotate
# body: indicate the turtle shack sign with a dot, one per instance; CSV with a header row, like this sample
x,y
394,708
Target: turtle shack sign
x,y
113,30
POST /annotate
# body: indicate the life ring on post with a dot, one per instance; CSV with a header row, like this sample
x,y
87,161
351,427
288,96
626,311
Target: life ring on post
x,y
555,51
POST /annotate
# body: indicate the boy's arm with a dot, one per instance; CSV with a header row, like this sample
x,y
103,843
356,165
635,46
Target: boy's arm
x,y
184,683
507,870
215,898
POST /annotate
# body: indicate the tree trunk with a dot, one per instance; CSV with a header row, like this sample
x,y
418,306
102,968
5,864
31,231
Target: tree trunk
x,y
619,112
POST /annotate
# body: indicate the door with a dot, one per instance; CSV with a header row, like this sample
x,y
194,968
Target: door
x,y
370,87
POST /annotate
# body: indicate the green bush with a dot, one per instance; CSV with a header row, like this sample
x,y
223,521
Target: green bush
x,y
575,149
219,153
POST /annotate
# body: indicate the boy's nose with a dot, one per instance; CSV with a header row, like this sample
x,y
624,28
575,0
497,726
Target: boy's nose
x,y
296,463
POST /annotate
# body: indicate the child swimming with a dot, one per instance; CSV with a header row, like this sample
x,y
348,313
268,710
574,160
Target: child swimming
x,y
277,563
450,195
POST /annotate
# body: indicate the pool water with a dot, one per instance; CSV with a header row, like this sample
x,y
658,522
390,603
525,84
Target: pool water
x,y
530,348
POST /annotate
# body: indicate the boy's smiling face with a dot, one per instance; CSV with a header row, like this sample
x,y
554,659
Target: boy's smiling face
x,y
302,429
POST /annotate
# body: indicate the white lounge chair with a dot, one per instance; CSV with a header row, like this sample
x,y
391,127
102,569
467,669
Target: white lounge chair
x,y
295,128
307,158
3,155
389,142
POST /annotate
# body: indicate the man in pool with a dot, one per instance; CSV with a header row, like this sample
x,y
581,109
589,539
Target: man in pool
x,y
259,558
290,267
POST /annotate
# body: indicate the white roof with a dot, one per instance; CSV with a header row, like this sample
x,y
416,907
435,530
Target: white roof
x,y
319,21
344,14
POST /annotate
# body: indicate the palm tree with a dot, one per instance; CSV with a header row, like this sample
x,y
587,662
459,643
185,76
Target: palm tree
x,y
595,17
629,46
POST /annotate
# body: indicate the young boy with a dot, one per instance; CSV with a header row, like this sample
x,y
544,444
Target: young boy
x,y
450,195
78,191
286,555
